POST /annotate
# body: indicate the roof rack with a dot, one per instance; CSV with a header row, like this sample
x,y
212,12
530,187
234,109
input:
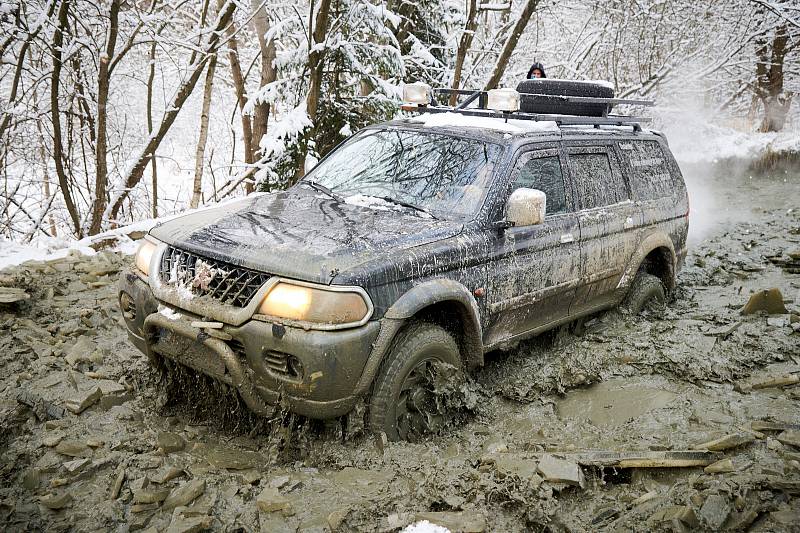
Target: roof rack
x,y
562,120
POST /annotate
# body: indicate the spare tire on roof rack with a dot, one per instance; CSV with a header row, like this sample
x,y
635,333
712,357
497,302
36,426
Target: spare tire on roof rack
x,y
542,95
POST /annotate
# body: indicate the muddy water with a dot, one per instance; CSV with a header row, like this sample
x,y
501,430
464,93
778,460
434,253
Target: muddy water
x,y
661,382
614,402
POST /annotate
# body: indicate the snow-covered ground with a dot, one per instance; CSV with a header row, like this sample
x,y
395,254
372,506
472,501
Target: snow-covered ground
x,y
46,248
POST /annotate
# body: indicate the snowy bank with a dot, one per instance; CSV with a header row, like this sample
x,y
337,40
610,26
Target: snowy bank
x,y
695,139
122,240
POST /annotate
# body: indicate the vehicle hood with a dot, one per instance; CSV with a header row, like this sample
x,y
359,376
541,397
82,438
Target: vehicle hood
x,y
301,234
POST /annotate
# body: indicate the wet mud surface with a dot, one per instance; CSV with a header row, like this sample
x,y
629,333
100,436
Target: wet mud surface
x,y
89,439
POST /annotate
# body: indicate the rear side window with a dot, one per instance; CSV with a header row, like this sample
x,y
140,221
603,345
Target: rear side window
x,y
650,176
595,184
543,173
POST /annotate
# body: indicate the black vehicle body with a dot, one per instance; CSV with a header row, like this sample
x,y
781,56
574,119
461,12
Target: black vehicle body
x,y
488,284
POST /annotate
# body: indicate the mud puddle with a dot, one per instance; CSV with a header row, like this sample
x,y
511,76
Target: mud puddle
x,y
88,444
614,402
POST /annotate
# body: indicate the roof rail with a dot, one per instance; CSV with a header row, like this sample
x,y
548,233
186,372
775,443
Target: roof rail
x,y
561,120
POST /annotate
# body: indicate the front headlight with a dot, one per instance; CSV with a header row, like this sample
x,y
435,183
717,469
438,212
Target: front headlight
x,y
309,304
143,256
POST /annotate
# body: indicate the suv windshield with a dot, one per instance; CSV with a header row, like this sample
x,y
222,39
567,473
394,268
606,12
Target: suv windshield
x,y
443,175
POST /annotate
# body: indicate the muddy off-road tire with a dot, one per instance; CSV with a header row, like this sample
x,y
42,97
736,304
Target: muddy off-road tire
x,y
646,291
401,405
533,104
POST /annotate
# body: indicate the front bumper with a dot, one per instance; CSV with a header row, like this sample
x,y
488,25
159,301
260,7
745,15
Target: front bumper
x,y
314,373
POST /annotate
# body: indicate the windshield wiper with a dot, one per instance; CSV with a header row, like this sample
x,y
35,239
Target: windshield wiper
x,y
408,204
323,189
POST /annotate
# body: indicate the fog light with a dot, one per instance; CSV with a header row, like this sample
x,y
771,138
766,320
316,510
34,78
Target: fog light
x,y
295,366
127,305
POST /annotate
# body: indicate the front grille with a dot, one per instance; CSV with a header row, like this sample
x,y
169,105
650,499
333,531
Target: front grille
x,y
229,284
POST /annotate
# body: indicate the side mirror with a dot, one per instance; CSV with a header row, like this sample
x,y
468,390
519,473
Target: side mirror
x,y
526,207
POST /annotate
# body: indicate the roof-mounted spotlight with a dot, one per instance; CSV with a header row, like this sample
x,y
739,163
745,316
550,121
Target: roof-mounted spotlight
x,y
417,93
506,100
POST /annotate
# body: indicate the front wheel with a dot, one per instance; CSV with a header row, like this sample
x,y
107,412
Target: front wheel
x,y
404,403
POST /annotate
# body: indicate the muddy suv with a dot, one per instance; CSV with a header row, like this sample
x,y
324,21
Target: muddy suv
x,y
417,243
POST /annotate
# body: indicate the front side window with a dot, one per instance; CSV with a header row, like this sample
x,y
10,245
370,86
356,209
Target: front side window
x,y
544,174
445,175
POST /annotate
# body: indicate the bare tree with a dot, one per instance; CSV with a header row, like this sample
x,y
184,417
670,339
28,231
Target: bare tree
x,y
240,90
268,75
153,166
464,44
101,149
199,162
196,67
315,65
769,85
55,116
511,44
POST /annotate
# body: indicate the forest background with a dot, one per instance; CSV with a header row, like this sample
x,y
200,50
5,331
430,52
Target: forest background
x,y
115,111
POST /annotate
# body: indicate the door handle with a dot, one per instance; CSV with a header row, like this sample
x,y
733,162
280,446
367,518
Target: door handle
x,y
567,238
628,223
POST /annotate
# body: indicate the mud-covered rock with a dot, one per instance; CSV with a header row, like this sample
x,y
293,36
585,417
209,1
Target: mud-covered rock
x,y
770,301
56,501
10,295
82,400
715,511
557,470
727,442
184,494
74,448
270,500
790,437
169,442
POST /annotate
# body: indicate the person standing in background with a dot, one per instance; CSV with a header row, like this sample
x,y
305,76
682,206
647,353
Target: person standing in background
x,y
536,71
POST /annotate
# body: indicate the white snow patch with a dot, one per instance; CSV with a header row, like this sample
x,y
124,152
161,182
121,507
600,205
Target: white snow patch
x,y
169,312
603,83
363,200
49,248
425,527
443,120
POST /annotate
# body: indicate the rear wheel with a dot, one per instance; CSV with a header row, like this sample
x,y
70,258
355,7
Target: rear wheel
x,y
404,403
645,291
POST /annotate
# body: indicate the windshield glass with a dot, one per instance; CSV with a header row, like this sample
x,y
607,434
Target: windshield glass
x,y
446,176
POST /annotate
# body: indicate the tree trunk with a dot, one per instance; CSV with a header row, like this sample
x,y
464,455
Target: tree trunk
x,y
101,150
12,97
48,196
197,189
511,44
196,68
316,63
151,75
769,70
268,75
55,82
241,92
463,45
